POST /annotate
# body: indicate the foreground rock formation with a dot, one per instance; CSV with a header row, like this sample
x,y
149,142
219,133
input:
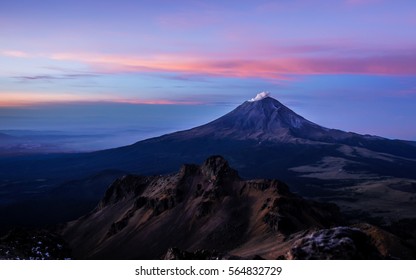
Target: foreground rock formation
x,y
209,212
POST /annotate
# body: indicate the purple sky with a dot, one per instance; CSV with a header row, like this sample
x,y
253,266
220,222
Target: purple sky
x,y
347,64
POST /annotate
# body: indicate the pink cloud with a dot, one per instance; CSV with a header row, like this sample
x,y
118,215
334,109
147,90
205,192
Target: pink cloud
x,y
376,65
272,68
14,53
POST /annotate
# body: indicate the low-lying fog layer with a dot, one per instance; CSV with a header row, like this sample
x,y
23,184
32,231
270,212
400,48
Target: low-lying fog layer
x,y
90,127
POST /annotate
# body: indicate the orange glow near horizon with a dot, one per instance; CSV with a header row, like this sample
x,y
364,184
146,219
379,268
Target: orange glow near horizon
x,y
33,99
20,99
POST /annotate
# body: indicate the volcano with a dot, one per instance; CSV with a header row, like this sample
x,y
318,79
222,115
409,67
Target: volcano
x,y
266,119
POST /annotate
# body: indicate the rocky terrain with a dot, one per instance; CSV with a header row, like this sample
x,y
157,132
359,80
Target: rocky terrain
x,y
30,244
209,212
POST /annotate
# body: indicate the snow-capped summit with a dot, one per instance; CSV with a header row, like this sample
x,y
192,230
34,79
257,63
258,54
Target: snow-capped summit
x,y
260,96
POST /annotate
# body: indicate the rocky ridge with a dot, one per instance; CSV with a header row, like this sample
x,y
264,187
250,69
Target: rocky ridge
x,y
209,212
201,207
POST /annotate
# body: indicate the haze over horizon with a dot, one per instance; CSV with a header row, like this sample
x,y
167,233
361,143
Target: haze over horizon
x,y
152,67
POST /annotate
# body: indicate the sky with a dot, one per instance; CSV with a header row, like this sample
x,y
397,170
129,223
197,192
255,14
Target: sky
x,y
166,65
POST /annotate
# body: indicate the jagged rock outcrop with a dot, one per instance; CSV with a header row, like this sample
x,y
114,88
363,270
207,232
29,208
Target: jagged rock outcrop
x,y
207,207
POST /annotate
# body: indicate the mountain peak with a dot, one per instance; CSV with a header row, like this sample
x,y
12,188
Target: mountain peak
x,y
261,118
217,167
264,118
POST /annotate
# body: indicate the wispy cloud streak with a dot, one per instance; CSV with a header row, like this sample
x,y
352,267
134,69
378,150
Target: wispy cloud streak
x,y
273,68
54,77
14,53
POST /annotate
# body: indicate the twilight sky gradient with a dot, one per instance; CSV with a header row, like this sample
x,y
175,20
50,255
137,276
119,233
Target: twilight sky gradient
x,y
347,64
